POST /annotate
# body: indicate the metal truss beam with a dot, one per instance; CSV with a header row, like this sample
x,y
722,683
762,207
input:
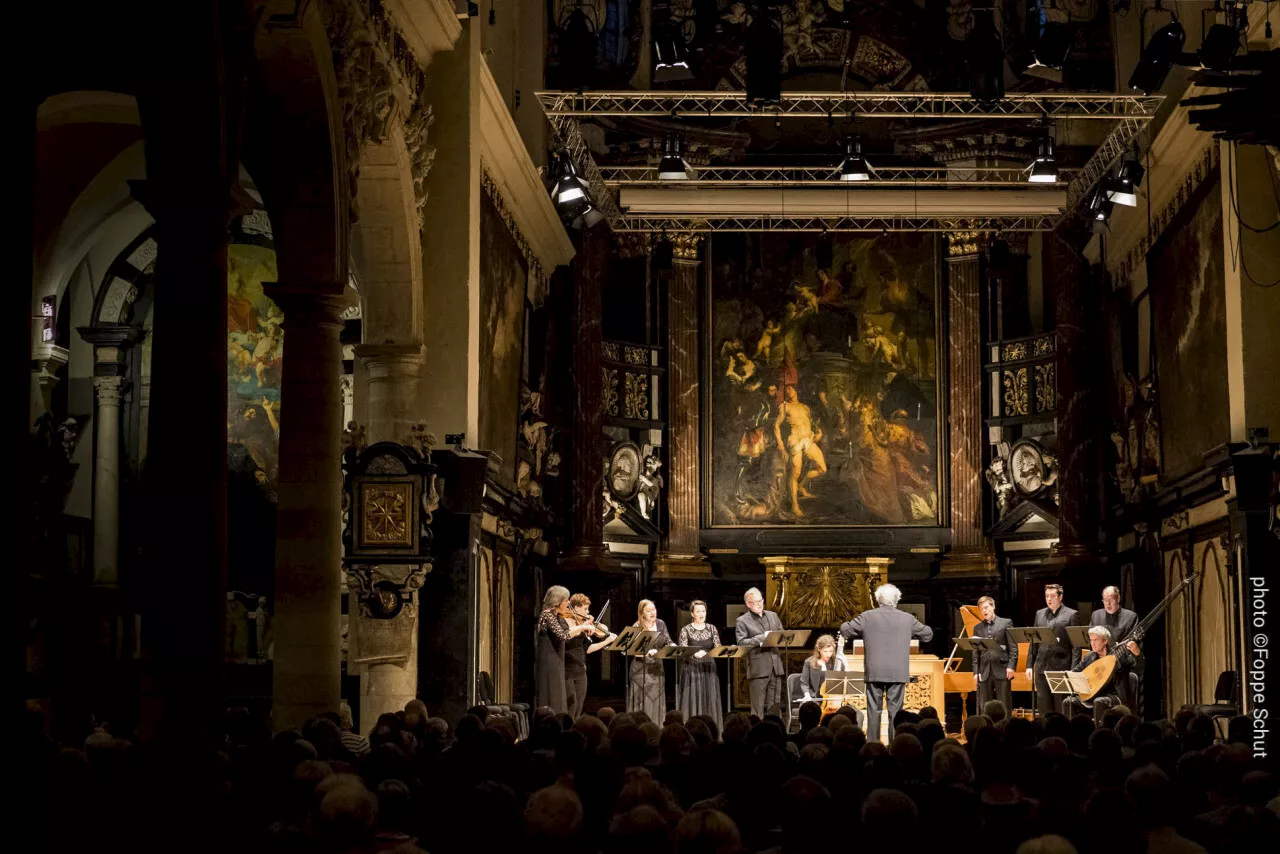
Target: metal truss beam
x,y
1104,158
826,176
841,105
867,225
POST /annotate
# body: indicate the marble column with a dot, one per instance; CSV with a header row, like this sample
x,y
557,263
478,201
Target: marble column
x,y
110,385
970,549
1078,309
308,578
586,461
391,388
680,553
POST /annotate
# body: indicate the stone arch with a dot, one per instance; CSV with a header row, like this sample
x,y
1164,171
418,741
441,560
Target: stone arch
x,y
387,248
293,145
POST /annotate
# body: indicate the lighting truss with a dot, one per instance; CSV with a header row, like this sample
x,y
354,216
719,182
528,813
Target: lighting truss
x,y
819,224
563,110
842,105
826,176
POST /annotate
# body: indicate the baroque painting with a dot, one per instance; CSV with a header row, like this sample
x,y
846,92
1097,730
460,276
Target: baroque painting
x,y
823,384
503,278
1186,278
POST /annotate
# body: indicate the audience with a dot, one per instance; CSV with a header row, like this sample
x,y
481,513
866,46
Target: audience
x,y
617,782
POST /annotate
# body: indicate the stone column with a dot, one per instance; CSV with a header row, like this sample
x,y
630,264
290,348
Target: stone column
x,y
680,553
390,390
970,549
110,346
586,461
308,580
1078,301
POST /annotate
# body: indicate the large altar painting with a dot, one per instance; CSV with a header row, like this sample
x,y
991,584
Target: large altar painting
x,y
823,387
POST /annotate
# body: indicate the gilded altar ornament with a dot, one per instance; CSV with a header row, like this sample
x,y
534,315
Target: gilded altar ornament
x,y
610,350
1046,389
636,355
386,520
1042,346
961,243
636,402
1012,351
684,246
1015,393
823,596
609,391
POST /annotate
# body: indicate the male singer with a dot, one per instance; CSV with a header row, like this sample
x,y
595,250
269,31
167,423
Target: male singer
x,y
994,671
1119,621
1053,656
764,666
886,636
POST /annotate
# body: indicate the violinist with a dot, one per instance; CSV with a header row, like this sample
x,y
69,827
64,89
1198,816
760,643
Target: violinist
x,y
553,634
577,612
824,658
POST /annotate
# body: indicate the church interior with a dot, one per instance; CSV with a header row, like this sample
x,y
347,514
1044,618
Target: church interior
x,y
653,302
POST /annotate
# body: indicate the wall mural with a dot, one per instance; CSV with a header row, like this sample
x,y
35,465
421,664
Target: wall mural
x,y
255,347
1185,272
823,396
503,279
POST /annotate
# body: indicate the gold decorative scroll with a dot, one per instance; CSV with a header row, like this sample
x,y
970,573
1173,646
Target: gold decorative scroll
x,y
386,519
1042,346
684,246
609,393
960,243
1016,350
1046,391
636,402
1015,393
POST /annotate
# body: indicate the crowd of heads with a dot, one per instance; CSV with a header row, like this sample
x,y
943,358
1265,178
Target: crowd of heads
x,y
620,782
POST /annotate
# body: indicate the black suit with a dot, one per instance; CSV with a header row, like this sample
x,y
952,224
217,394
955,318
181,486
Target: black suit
x,y
764,666
989,667
886,658
1052,656
1120,623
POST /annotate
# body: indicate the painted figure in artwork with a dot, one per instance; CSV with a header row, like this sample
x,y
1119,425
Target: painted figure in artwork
x,y
801,444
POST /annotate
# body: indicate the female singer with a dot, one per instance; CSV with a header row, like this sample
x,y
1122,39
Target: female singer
x,y
648,691
578,613
824,658
699,680
553,632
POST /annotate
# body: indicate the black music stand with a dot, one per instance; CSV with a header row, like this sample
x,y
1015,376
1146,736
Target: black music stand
x,y
1033,634
842,684
1079,636
978,644
785,640
623,641
728,652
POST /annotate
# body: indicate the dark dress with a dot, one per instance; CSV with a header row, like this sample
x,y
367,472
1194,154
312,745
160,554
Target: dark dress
x,y
575,673
699,692
648,690
553,631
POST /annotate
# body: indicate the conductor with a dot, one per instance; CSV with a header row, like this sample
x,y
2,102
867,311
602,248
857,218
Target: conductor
x,y
886,635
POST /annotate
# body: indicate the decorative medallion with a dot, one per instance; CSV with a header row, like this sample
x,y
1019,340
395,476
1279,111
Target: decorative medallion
x,y
624,470
387,515
1029,469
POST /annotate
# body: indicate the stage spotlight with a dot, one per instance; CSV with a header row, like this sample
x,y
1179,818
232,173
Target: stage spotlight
x,y
1123,188
764,56
985,58
671,54
1219,46
1159,56
854,167
672,167
569,189
1050,42
1100,206
1044,169
588,219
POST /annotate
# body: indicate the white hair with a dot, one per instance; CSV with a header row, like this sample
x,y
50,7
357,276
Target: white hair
x,y
1111,589
887,594
753,593
1100,631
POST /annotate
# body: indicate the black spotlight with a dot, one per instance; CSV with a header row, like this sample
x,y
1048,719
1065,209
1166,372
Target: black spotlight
x,y
1044,169
855,167
1219,47
1158,57
672,167
1123,187
1100,206
670,53
764,56
1050,41
985,51
569,193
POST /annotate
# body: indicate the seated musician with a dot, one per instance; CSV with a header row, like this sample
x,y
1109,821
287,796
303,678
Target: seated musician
x,y
1128,660
824,658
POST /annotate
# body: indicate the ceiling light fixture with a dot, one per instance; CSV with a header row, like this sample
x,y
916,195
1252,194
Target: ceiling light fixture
x,y
672,167
1044,169
1122,189
854,167
1050,37
1100,206
1158,58
670,53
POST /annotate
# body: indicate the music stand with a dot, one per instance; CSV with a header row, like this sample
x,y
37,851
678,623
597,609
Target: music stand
x,y
729,651
1069,682
978,644
642,643
786,639
624,639
1033,634
841,685
1079,636
677,653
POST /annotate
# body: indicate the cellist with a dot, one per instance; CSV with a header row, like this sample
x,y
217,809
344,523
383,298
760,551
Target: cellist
x,y
824,658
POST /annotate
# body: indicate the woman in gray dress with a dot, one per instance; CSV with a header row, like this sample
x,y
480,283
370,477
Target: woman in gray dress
x,y
648,690
699,692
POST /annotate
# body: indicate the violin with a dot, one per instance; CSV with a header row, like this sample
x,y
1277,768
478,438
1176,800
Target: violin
x,y
597,630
